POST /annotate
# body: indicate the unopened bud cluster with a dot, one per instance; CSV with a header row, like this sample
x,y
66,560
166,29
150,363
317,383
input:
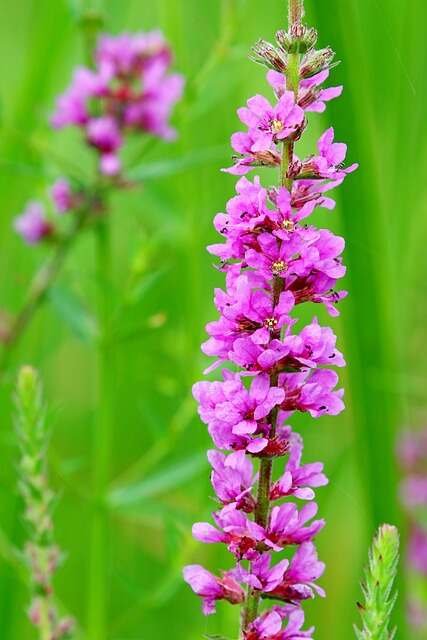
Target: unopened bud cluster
x,y
41,554
298,39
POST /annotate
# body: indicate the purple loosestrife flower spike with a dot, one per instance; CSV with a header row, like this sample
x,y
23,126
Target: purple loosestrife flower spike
x,y
128,93
274,259
130,90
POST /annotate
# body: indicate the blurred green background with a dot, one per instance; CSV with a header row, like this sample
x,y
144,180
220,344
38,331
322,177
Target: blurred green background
x,y
162,296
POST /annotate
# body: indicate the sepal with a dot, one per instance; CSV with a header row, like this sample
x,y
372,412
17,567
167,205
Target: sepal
x,y
265,53
316,61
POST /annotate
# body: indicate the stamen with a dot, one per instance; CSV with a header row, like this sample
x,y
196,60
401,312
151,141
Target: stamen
x,y
288,225
278,267
276,126
271,324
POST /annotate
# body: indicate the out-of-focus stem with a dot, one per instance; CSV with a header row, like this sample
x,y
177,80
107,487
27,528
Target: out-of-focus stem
x,y
39,287
102,443
45,629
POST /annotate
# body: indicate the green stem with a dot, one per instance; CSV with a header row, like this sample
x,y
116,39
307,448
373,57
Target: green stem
x,y
292,83
263,499
102,443
42,282
45,627
296,11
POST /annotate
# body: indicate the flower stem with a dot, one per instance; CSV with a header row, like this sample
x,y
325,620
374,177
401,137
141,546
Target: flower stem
x,y
292,84
250,611
46,631
42,282
296,11
102,442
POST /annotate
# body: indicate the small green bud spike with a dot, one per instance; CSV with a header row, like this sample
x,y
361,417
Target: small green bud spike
x,y
379,598
41,554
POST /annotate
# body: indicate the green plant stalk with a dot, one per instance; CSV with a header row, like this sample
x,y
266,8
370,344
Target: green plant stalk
x,y
296,11
46,631
102,442
250,611
379,598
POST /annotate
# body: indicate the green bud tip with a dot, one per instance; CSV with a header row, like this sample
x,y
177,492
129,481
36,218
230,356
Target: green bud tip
x,y
27,381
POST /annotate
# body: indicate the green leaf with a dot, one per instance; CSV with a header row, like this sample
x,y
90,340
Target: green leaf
x,y
165,480
75,315
142,286
174,166
9,167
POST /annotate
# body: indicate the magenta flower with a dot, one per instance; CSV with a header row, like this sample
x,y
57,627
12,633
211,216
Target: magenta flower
x,y
233,479
211,588
247,158
260,575
130,89
232,412
72,107
246,312
62,196
298,581
269,625
235,529
312,392
266,627
328,164
412,456
293,629
298,480
267,124
414,491
243,536
273,263
412,449
417,550
104,134
287,525
311,96
32,224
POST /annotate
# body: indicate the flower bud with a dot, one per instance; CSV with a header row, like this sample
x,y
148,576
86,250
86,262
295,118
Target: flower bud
x,y
264,53
316,61
299,39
